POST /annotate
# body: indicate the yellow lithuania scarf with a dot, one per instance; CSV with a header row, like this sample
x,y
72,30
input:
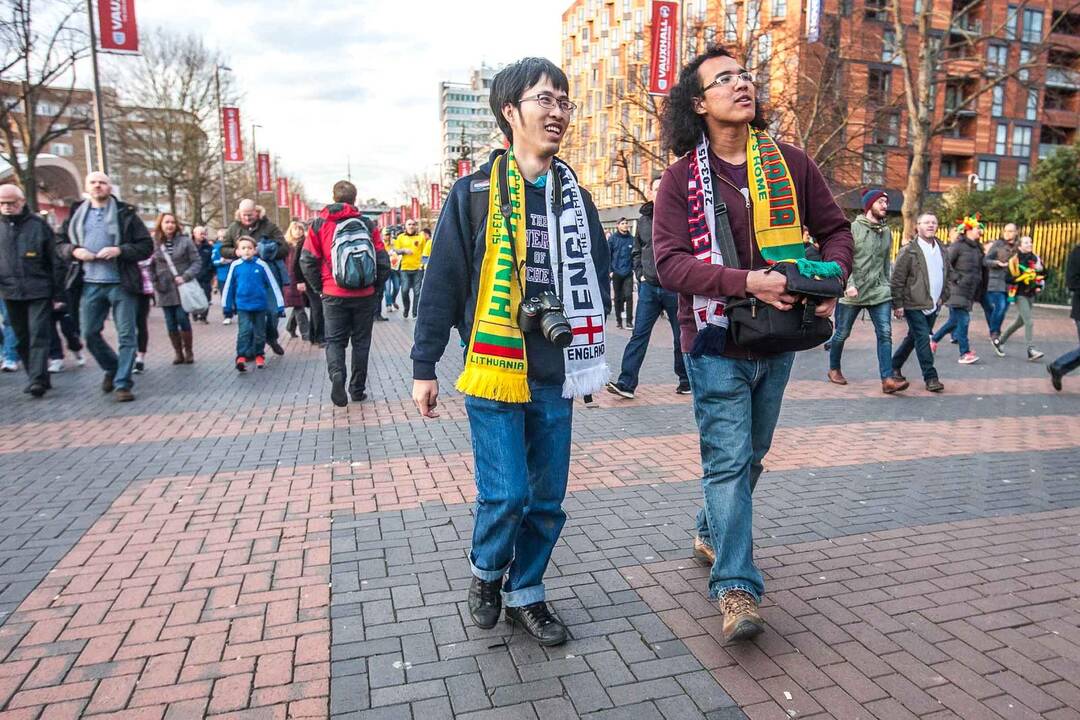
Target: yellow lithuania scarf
x,y
495,365
777,225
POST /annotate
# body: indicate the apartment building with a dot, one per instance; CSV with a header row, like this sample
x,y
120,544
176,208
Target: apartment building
x,y
1006,87
466,128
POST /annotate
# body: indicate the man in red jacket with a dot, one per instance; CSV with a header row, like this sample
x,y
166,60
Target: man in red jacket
x,y
348,312
769,190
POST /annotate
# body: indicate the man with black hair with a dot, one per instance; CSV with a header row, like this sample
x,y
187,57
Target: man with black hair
x,y
348,313
732,172
621,244
519,265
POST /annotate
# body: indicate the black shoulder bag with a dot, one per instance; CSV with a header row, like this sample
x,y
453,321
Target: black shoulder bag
x,y
757,326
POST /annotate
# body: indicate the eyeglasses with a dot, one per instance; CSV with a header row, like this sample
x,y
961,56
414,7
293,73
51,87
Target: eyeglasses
x,y
549,102
728,78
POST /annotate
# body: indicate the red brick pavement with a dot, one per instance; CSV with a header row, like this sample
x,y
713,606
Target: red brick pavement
x,y
977,619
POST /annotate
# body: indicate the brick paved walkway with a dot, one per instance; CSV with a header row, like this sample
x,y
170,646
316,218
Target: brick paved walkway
x,y
236,547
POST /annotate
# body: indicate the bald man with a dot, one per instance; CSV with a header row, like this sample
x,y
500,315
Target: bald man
x,y
31,283
252,222
106,239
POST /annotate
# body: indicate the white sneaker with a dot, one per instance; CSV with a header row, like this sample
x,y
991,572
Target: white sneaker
x,y
227,321
80,359
56,366
10,366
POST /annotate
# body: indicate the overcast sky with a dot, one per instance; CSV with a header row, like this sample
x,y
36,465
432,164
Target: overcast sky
x,y
331,78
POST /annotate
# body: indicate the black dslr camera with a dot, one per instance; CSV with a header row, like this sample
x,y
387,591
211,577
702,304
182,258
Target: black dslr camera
x,y
545,313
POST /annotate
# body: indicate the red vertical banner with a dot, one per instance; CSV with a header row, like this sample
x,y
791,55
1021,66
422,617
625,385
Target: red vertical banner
x,y
117,31
464,167
404,213
283,192
665,38
294,206
436,198
234,146
416,208
264,172
393,216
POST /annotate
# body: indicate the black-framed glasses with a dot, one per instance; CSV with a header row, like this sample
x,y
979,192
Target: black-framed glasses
x,y
727,79
550,102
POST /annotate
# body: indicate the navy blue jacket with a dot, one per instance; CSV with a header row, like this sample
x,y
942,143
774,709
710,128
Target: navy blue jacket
x,y
620,245
453,277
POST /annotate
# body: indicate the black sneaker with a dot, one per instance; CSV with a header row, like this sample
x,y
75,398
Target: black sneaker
x,y
617,389
1033,354
485,602
358,396
997,345
37,389
1055,377
684,388
107,383
337,390
538,621
276,347
139,367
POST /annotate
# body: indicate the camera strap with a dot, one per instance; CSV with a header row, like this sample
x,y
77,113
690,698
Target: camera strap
x,y
507,211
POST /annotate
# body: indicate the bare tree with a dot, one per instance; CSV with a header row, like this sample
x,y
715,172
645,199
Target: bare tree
x,y
39,50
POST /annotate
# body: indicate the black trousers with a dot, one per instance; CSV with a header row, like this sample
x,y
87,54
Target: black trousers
x,y
32,322
624,295
349,320
318,327
142,330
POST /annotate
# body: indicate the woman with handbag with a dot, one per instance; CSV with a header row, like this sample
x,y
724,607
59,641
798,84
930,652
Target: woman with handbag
x,y
176,264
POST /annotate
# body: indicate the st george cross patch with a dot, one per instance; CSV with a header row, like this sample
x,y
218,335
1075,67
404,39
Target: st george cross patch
x,y
588,329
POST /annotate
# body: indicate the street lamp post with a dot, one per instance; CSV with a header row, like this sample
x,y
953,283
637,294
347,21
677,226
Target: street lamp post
x,y
221,139
255,161
99,115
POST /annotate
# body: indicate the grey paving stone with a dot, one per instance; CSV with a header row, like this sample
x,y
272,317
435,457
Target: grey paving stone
x,y
467,693
586,692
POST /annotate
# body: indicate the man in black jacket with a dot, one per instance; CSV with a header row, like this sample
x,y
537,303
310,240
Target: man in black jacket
x,y
251,220
652,299
107,239
1070,360
31,282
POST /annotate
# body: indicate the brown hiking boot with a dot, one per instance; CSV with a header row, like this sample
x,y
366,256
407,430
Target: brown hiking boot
x,y
837,377
741,618
703,552
892,384
124,395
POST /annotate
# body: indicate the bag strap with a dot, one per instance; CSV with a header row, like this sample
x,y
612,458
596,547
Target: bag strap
x,y
724,238
172,267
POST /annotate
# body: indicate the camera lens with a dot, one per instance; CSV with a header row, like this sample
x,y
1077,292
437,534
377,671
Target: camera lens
x,y
556,329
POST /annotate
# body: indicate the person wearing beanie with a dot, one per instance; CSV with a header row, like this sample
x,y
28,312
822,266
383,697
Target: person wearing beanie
x,y
868,289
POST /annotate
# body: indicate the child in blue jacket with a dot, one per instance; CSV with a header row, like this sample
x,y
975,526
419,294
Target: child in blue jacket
x,y
248,290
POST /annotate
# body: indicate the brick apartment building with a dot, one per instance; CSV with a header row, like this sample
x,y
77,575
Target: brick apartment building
x,y
840,95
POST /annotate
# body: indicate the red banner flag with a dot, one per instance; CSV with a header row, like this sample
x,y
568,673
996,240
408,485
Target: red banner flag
x,y
665,38
282,192
234,145
404,213
464,167
117,32
393,216
416,208
264,172
436,198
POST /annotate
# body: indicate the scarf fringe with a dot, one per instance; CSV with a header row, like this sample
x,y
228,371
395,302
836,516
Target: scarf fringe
x,y
501,387
586,381
710,340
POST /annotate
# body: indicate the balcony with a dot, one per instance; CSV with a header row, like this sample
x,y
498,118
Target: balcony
x,y
1062,78
964,146
1061,117
966,26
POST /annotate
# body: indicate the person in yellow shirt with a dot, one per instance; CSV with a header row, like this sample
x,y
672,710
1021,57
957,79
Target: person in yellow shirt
x,y
410,246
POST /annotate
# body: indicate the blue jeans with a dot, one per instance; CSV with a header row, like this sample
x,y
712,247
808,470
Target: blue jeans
x,y
522,456
11,343
393,285
410,291
918,339
957,324
880,316
999,305
736,405
176,319
1070,360
97,298
651,300
251,333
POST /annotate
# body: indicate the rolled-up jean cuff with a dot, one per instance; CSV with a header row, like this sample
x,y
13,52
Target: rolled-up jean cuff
x,y
487,575
524,596
717,590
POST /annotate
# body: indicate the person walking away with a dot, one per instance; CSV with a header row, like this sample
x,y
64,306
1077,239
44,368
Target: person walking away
x,y
713,121
1026,272
652,300
345,261
221,266
295,297
201,237
996,261
1070,360
176,261
252,222
31,283
868,289
965,260
393,280
919,287
519,379
248,285
620,246
108,239
142,316
410,246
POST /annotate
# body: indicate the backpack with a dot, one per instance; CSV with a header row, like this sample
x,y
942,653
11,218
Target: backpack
x,y
352,255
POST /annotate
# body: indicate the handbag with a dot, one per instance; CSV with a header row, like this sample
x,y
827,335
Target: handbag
x,y
192,297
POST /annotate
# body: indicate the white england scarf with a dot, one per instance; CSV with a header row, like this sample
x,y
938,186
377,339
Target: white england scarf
x,y
707,311
572,265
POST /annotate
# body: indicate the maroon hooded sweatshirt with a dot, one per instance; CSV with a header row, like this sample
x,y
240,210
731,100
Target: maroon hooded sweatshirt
x,y
681,272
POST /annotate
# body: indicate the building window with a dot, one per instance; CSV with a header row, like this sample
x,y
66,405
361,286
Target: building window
x,y
997,56
887,128
888,46
1010,23
779,9
1022,171
62,149
1033,20
845,8
1025,60
878,84
876,10
1001,140
997,104
1032,109
987,174
1021,141
873,167
45,108
948,167
731,23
